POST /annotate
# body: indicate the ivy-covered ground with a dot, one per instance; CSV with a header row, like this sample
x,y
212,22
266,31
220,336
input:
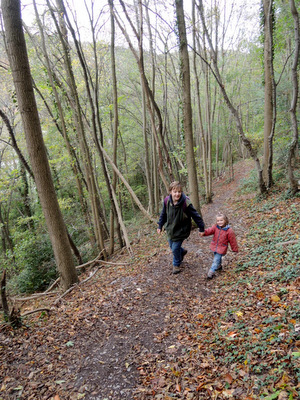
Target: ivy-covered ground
x,y
136,332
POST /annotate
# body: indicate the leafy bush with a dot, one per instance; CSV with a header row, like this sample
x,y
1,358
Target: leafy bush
x,y
35,261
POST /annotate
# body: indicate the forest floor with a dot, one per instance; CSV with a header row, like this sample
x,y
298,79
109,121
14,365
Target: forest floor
x,y
134,331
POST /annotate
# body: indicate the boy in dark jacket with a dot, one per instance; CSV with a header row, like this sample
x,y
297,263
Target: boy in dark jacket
x,y
176,217
223,235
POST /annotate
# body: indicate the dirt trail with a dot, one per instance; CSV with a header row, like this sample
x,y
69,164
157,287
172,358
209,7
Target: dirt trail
x,y
102,339
134,324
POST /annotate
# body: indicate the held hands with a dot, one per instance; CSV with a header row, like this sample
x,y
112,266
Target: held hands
x,y
158,231
201,233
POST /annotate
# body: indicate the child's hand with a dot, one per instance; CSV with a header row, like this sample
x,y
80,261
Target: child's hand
x,y
201,233
158,231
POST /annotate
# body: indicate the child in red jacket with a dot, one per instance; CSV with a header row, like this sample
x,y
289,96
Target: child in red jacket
x,y
223,234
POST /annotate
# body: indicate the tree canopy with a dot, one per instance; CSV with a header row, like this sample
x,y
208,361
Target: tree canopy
x,y
110,89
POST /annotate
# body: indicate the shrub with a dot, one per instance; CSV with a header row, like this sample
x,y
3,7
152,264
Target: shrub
x,y
35,263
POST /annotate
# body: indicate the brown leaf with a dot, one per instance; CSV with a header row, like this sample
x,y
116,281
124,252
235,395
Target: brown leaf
x,y
178,387
204,365
260,295
228,378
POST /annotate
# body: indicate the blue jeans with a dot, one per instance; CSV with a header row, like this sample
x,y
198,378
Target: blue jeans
x,y
216,261
177,251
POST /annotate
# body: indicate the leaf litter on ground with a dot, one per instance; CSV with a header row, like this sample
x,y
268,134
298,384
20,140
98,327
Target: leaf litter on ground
x,y
138,332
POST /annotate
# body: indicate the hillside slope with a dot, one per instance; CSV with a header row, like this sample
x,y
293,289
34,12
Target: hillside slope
x,y
135,331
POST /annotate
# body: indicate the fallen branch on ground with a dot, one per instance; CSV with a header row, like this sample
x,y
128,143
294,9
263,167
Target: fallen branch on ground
x,y
77,284
286,243
54,284
34,296
90,262
35,311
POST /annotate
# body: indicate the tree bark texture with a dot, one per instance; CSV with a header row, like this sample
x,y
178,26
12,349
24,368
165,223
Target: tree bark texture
x,y
270,98
19,63
187,106
294,143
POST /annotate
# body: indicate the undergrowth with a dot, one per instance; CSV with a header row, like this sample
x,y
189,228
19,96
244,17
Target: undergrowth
x,y
265,313
244,342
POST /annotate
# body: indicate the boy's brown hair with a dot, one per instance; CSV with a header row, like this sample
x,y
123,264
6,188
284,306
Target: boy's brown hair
x,y
175,185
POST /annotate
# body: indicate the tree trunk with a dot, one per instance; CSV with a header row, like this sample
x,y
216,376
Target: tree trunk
x,y
85,154
5,235
187,107
294,144
152,106
62,128
270,95
19,63
115,126
144,109
203,144
216,72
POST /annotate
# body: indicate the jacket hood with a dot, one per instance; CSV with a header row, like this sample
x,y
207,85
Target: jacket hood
x,y
225,228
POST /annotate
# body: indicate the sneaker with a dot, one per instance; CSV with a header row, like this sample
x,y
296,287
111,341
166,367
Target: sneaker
x,y
210,274
176,270
183,254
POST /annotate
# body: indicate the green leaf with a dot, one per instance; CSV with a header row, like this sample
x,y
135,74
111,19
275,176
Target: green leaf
x,y
18,388
273,396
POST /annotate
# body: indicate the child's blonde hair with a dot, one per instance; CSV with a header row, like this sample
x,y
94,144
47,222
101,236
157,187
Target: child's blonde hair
x,y
175,185
224,216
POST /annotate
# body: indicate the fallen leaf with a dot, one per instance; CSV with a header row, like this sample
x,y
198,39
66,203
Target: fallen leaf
x,y
275,298
204,365
228,378
260,295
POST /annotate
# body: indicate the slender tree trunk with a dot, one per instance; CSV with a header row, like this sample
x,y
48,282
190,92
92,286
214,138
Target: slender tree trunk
x,y
14,143
36,148
152,106
115,124
3,295
187,107
62,128
89,173
216,72
147,157
131,192
92,87
208,140
270,92
292,154
26,198
203,144
5,234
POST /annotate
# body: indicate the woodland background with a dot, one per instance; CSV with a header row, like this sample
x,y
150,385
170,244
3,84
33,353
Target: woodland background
x,y
146,92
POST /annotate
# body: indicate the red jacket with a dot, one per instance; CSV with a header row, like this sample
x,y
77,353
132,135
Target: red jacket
x,y
222,236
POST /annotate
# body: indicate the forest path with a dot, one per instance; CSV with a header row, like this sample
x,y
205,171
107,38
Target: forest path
x,y
136,319
103,340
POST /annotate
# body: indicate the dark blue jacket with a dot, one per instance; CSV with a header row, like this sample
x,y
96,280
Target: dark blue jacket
x,y
177,218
